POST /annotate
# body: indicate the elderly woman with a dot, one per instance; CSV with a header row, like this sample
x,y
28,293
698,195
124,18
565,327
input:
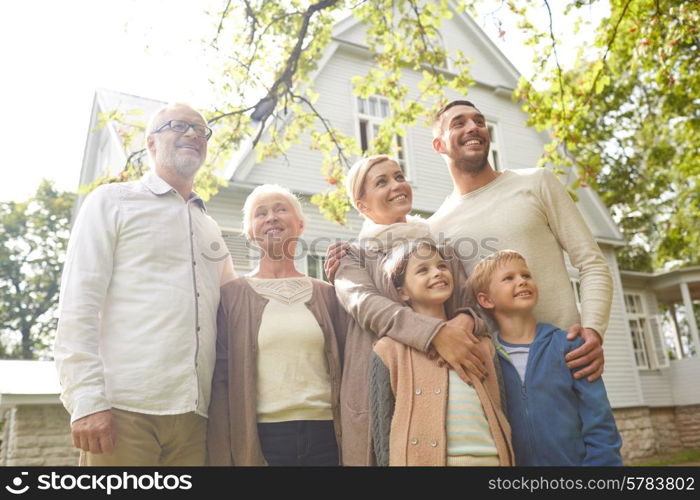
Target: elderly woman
x,y
379,191
275,393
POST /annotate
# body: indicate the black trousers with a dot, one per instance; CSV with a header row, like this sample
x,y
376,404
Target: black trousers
x,y
299,442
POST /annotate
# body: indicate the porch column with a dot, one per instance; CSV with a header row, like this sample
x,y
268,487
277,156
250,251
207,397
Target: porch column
x,y
676,330
690,316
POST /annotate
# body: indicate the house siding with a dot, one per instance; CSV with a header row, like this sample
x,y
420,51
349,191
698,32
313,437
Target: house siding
x,y
456,35
299,169
621,375
685,374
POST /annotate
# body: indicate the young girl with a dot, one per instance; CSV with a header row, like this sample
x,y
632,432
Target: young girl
x,y
422,413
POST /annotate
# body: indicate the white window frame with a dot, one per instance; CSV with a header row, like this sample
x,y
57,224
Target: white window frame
x,y
449,65
320,261
495,156
576,286
363,113
645,329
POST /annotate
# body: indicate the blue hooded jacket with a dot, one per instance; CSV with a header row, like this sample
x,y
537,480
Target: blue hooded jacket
x,y
555,418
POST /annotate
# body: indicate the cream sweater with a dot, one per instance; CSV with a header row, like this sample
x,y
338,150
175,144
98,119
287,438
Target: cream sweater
x,y
293,381
530,211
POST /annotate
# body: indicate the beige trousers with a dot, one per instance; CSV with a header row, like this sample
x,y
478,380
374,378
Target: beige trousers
x,y
153,440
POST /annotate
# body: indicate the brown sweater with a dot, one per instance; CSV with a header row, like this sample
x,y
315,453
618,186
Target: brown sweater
x,y
420,387
232,437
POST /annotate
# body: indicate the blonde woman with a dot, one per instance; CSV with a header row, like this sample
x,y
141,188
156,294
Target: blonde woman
x,y
378,189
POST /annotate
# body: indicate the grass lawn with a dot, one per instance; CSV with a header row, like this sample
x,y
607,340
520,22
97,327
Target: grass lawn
x,y
678,458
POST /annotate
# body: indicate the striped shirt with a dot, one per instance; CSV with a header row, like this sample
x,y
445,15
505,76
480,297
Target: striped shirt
x,y
468,432
518,354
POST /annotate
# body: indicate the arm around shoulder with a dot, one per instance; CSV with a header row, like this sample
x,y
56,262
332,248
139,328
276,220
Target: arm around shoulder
x,y
371,307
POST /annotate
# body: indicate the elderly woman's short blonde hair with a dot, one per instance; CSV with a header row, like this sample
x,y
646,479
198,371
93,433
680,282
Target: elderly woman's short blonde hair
x,y
266,189
355,179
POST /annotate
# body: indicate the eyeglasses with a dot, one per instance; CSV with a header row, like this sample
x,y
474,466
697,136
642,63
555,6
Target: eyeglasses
x,y
183,126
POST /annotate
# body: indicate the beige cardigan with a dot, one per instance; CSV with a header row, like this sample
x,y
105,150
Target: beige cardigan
x,y
370,298
232,436
418,436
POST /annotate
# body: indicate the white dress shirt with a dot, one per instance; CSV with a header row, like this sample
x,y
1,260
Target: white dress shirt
x,y
138,302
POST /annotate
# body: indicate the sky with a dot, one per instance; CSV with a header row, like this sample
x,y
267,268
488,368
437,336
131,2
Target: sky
x,y
56,54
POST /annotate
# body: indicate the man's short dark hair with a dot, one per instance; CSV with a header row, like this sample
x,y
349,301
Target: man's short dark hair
x,y
443,110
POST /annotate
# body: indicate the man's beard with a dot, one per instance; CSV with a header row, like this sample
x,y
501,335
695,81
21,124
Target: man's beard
x,y
186,166
473,165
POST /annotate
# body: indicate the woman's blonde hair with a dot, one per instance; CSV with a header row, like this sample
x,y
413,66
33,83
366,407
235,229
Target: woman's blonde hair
x,y
355,178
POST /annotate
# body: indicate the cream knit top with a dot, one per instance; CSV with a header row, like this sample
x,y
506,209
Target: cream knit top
x,y
293,382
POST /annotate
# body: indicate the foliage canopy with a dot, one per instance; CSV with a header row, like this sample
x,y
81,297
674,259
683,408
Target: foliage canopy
x,y
624,115
33,241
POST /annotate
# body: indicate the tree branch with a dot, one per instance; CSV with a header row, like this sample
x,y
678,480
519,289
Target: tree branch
x,y
556,60
290,68
231,113
250,14
221,23
327,126
607,51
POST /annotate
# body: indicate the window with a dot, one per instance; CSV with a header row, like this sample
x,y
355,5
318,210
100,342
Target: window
x,y
371,112
649,347
494,158
314,266
576,285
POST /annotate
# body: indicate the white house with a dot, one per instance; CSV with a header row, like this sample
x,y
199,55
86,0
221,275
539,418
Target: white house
x,y
656,404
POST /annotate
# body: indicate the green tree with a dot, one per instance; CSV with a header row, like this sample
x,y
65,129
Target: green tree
x,y
33,240
268,52
625,115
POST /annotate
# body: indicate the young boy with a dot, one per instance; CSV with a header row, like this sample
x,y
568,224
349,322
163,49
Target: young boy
x,y
555,418
422,413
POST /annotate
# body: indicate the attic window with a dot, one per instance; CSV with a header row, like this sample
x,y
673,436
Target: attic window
x,y
371,113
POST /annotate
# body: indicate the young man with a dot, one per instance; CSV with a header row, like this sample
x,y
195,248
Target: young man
x,y
530,211
555,418
135,346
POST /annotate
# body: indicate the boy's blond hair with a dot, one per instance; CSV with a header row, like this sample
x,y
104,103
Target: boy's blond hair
x,y
483,272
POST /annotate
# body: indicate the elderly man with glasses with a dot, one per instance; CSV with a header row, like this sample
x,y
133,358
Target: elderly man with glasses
x,y
135,346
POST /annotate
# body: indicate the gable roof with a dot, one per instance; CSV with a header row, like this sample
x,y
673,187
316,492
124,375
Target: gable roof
x,y
350,30
597,215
